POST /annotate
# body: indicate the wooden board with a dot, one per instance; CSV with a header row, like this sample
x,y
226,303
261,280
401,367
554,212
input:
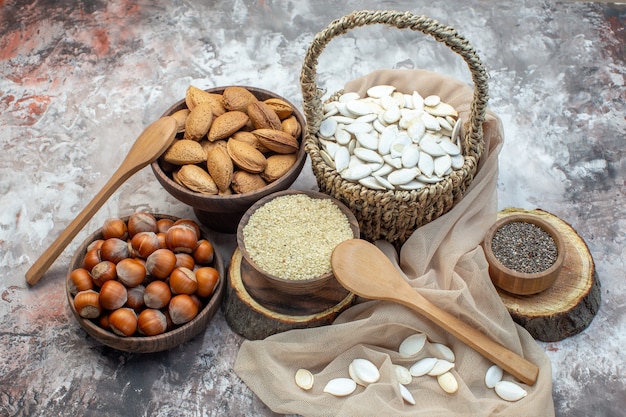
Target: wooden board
x,y
254,321
570,304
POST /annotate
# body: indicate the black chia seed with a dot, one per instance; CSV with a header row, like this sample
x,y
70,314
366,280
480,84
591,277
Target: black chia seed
x,y
524,247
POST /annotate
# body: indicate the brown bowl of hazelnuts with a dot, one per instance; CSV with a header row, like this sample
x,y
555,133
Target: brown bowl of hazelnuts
x,y
145,283
234,146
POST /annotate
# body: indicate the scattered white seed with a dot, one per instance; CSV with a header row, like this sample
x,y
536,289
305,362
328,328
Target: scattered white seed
x,y
365,371
412,345
493,376
340,387
510,391
422,367
304,379
441,367
445,352
448,383
403,374
406,395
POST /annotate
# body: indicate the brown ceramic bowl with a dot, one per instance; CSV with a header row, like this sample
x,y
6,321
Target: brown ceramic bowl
x,y
520,283
147,344
223,212
326,287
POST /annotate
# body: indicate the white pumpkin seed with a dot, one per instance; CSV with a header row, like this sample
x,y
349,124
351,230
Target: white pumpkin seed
x,y
449,147
350,96
368,140
444,351
388,102
510,391
342,136
384,170
383,181
368,155
329,107
412,185
327,159
441,109
430,122
304,379
416,129
328,128
412,345
406,395
418,101
391,115
346,120
358,107
340,387
422,367
378,125
426,164
441,366
402,176
342,158
444,123
379,91
432,100
448,382
399,98
359,127
365,370
457,161
356,172
367,118
371,182
410,156
431,147
493,375
354,377
442,164
402,374
395,162
433,179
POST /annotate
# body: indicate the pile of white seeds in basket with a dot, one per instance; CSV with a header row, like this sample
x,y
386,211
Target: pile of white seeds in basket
x,y
293,236
390,140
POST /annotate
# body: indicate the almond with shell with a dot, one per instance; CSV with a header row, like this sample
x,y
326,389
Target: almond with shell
x,y
228,123
198,121
238,98
196,179
263,116
281,107
183,152
277,140
220,167
246,156
246,182
291,126
250,139
195,95
277,166
181,117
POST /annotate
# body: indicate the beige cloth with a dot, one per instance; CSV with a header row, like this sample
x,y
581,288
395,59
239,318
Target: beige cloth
x,y
442,260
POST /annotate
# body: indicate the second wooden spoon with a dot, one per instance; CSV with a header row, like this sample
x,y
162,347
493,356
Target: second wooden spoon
x,y
365,270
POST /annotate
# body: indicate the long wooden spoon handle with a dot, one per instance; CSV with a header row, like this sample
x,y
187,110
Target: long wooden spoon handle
x,y
511,362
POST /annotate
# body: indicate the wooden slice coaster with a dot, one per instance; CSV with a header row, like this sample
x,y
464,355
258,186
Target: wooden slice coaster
x,y
247,317
570,304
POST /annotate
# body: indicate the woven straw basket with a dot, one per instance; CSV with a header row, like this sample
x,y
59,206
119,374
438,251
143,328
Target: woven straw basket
x,y
394,215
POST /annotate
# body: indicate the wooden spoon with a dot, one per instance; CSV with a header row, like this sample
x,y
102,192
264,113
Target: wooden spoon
x,y
364,269
152,142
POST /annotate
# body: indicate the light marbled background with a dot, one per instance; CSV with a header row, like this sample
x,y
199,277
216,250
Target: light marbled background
x,y
80,80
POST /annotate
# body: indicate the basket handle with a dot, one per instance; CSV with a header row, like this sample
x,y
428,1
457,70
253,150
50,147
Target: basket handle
x,y
312,96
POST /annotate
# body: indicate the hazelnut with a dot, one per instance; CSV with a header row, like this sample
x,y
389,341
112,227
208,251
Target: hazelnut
x,y
182,309
161,263
181,238
157,294
131,272
207,278
113,295
123,321
87,304
151,322
183,281
141,222
80,280
114,228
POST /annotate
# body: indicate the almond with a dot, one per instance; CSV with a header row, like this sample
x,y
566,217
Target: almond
x,y
246,182
277,166
227,124
220,167
193,96
292,126
246,156
184,151
180,116
196,179
207,145
282,108
198,121
277,140
263,117
237,98
250,139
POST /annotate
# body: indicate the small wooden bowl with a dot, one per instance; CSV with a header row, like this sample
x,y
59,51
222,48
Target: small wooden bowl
x,y
147,344
223,212
520,283
316,294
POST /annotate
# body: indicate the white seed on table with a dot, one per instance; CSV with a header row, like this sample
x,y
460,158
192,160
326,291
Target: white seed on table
x,y
402,374
412,344
350,96
365,370
457,161
426,164
393,161
430,122
442,164
356,172
444,351
358,107
342,158
432,100
448,382
368,140
510,391
441,366
422,367
340,387
304,379
493,375
342,136
431,147
328,127
381,90
383,181
410,155
371,182
406,395
354,377
402,176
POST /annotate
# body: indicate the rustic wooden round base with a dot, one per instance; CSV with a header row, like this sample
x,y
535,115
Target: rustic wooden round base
x,y
570,304
247,317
